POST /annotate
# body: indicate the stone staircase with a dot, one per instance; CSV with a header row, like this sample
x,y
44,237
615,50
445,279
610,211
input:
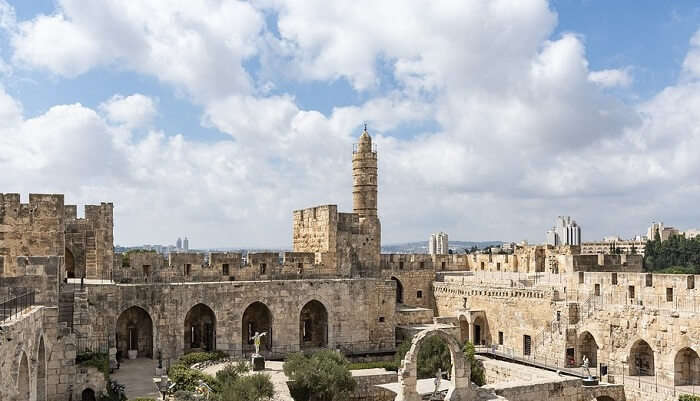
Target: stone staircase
x,y
65,307
90,255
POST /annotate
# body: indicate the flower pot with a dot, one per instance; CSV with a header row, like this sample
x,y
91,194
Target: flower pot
x,y
132,353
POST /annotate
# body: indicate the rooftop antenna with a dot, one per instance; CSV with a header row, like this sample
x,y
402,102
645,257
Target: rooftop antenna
x,y
365,126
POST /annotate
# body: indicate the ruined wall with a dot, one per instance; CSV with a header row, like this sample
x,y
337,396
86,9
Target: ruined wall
x,y
90,241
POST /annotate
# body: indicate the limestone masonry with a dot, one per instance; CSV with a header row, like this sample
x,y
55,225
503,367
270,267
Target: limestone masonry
x,y
534,312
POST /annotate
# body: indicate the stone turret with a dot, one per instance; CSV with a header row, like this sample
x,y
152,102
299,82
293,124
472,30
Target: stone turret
x,y
364,202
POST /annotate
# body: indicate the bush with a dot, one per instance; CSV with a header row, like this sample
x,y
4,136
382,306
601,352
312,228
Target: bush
x,y
388,365
255,387
187,379
477,367
198,357
322,376
97,360
115,392
688,397
231,372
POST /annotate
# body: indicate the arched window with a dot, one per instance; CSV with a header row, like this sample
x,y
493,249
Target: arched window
x,y
313,325
200,329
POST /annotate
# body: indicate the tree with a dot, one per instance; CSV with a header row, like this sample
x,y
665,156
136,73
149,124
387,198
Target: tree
x,y
323,376
432,355
477,368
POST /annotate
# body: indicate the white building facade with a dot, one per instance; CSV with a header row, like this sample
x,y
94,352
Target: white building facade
x,y
438,244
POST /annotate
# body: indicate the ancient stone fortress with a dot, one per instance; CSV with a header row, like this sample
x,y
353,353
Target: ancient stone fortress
x,y
536,314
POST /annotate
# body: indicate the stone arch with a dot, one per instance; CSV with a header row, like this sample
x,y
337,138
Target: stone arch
x,y
313,325
257,317
641,359
481,334
686,367
69,264
87,394
588,347
134,331
604,398
200,329
463,329
41,370
23,377
460,388
399,290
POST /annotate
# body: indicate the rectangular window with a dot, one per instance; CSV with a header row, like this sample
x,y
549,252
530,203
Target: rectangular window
x,y
263,267
300,266
649,280
691,282
482,265
419,294
224,269
498,266
381,319
500,338
442,265
401,265
146,270
188,268
597,290
630,292
422,265
581,278
669,294
527,345
614,279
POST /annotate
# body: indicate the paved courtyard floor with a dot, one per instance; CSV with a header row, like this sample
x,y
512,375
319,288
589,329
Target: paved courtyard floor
x,y
137,377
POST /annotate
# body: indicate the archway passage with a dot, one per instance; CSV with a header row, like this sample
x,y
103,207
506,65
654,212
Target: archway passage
x,y
313,325
200,329
41,371
481,332
69,263
256,318
399,290
686,368
460,386
135,332
463,329
87,395
588,347
641,359
23,378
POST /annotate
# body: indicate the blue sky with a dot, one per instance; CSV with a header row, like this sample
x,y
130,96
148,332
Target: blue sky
x,y
475,106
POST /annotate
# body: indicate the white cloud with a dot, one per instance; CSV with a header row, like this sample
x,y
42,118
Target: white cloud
x,y
691,64
133,111
611,78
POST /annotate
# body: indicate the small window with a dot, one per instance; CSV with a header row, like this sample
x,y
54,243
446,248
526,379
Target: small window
x,y
263,267
422,265
401,265
300,266
581,277
630,292
442,265
482,265
558,316
691,282
231,278
649,280
527,345
188,268
669,294
614,279
419,294
224,269
381,319
597,290
500,338
498,266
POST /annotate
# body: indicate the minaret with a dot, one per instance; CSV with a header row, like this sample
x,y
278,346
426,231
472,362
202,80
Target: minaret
x,y
364,204
364,177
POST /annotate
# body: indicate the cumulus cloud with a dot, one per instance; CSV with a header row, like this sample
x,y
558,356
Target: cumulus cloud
x,y
611,78
520,129
133,111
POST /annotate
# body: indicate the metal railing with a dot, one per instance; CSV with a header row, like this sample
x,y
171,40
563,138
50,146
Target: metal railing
x,y
15,301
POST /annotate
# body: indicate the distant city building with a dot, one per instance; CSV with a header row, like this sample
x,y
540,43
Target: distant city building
x,y
564,232
178,243
659,228
605,247
438,244
691,233
612,238
186,244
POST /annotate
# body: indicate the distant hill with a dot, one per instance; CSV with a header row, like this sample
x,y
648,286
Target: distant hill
x,y
422,246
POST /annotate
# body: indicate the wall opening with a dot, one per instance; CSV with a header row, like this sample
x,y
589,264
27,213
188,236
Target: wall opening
x,y
613,279
588,347
41,372
87,395
69,264
135,332
256,318
200,329
23,378
399,290
686,368
641,359
313,325
527,345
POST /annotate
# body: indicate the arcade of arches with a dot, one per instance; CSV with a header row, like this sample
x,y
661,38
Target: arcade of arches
x,y
41,372
313,325
135,332
23,378
200,329
256,318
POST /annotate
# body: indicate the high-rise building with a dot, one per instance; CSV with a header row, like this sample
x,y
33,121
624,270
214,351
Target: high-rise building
x,y
186,244
659,228
438,244
178,243
564,232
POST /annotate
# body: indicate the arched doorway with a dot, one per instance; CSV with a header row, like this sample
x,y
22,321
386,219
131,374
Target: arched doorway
x,y
463,329
256,318
135,332
481,331
399,290
460,374
641,359
313,325
588,347
200,329
41,371
69,262
686,368
87,395
23,378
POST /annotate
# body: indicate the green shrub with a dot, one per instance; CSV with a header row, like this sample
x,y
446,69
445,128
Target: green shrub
x,y
198,357
477,367
255,387
187,379
322,376
388,365
115,392
97,360
688,397
432,355
231,372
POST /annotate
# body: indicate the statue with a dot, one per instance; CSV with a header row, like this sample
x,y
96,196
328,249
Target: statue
x,y
256,340
585,366
438,379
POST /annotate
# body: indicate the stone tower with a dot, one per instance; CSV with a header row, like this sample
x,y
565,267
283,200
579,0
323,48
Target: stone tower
x,y
364,203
